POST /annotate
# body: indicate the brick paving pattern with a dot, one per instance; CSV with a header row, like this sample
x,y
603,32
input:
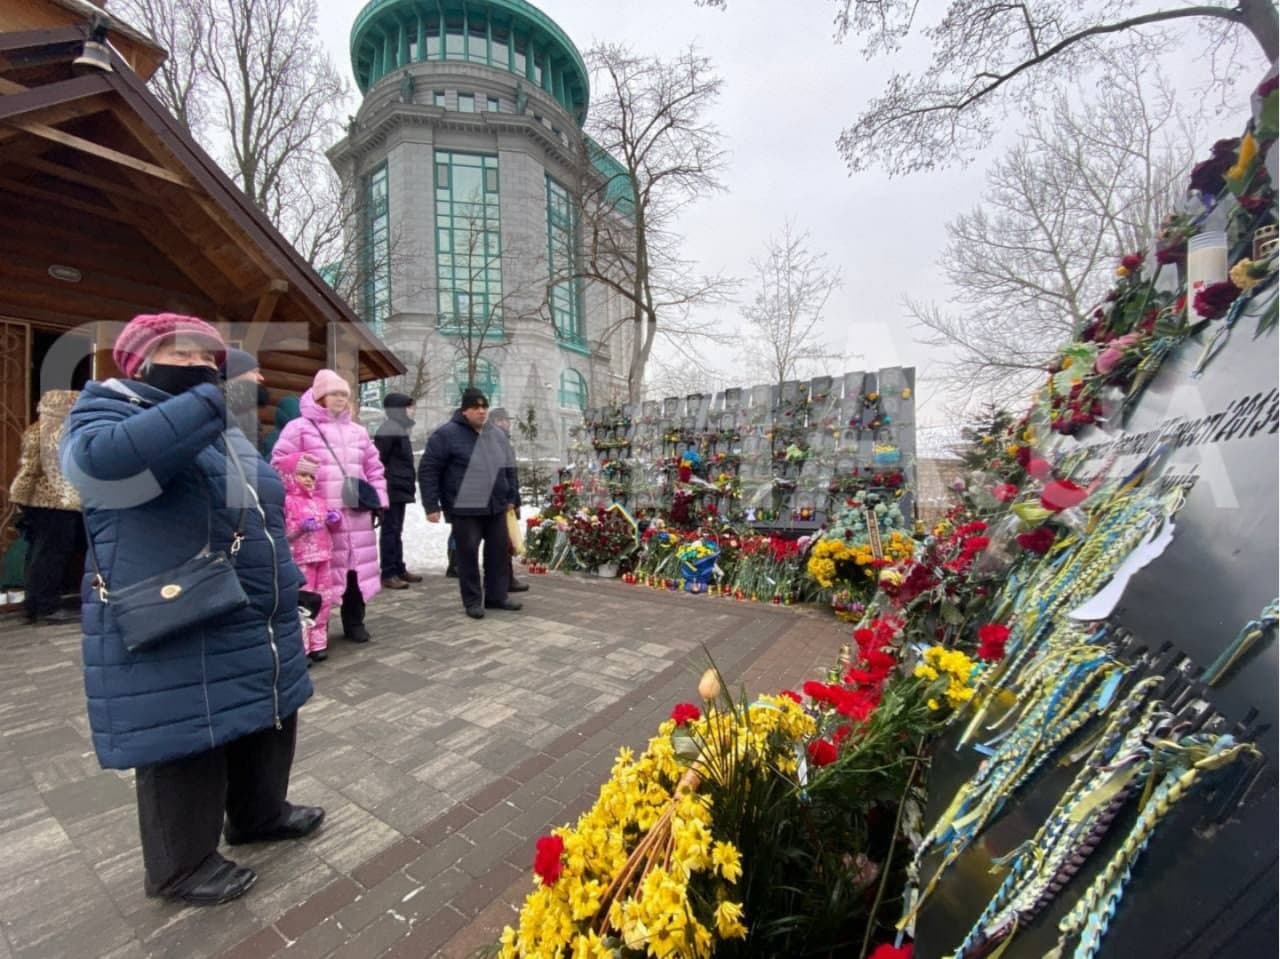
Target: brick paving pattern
x,y
441,751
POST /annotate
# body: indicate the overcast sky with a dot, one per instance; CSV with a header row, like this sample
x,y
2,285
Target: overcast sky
x,y
788,91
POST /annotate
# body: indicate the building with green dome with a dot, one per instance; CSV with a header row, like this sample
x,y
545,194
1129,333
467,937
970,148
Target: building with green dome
x,y
464,163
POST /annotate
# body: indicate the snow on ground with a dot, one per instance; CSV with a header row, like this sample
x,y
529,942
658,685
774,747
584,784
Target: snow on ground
x,y
426,544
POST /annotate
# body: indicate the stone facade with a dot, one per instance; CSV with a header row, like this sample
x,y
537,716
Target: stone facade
x,y
400,125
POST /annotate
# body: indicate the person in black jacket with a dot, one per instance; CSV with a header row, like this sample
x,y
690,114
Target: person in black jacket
x,y
468,474
396,452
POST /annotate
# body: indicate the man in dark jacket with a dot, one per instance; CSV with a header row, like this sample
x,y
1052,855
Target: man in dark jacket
x,y
500,418
468,473
396,452
246,392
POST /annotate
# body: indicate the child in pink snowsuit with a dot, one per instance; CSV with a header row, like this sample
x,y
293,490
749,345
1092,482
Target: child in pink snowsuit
x,y
307,523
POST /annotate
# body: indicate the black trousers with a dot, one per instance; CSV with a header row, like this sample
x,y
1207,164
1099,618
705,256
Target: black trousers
x,y
181,803
52,535
468,532
352,603
390,544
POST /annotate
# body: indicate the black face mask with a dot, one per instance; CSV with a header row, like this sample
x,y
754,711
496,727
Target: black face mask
x,y
245,396
178,379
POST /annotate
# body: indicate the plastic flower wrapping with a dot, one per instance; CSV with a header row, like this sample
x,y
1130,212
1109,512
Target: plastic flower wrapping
x,y
698,562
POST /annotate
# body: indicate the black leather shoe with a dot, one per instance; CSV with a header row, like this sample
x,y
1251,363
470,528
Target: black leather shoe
x,y
518,588
475,612
451,573
508,604
301,821
317,655
357,634
224,882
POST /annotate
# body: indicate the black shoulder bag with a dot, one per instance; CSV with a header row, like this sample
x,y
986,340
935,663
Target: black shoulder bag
x,y
203,588
357,492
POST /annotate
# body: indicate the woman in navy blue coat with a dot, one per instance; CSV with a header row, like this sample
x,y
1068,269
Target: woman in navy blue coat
x,y
207,718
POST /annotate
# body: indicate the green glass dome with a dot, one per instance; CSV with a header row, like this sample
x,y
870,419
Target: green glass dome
x,y
510,35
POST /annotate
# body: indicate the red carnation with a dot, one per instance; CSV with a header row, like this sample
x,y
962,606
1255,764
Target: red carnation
x,y
1255,203
685,473
822,753
1005,492
1215,299
823,694
889,951
1038,540
1023,456
546,861
1062,494
991,640
976,544
1038,468
1132,262
792,695
685,713
859,706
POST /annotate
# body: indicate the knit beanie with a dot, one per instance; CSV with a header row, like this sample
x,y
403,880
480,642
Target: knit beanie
x,y
296,462
396,401
145,332
238,362
326,382
472,397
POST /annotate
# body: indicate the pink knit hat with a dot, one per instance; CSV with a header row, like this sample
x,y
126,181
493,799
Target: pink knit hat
x,y
297,462
327,382
144,332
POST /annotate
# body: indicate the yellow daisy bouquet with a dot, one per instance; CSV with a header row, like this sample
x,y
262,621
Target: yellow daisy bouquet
x,y
652,869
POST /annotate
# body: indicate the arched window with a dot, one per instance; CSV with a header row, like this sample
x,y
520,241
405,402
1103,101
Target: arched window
x,y
573,389
486,381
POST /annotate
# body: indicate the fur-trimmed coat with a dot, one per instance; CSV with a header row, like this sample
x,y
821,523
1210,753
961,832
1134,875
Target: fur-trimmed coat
x,y
39,481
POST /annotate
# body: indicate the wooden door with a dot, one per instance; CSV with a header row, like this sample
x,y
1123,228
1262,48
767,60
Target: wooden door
x,y
15,349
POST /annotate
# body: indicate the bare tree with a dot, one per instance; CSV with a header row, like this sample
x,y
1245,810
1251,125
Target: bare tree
x,y
486,290
1083,187
784,318
179,83
420,380
251,78
681,375
648,120
990,57
479,322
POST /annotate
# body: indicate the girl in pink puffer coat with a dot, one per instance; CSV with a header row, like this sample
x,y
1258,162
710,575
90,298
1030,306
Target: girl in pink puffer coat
x,y
309,525
326,433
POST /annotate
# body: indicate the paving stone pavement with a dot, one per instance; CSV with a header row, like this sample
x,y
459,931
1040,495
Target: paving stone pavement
x,y
441,750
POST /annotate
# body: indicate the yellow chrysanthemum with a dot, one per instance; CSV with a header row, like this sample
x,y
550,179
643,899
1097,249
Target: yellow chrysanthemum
x,y
729,921
1245,158
728,860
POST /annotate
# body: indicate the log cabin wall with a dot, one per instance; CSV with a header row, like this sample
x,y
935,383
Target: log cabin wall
x,y
108,209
